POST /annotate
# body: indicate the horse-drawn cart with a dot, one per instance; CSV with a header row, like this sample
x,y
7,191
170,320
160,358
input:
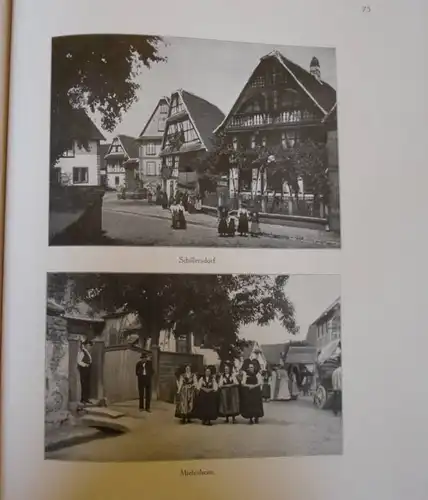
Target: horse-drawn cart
x,y
327,362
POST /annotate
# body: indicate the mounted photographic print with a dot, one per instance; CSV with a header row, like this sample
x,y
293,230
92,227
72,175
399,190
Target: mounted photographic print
x,y
149,367
161,141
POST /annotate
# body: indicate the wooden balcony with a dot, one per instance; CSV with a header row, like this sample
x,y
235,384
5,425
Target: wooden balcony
x,y
256,120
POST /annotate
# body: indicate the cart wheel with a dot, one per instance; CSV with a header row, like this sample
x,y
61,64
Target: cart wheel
x,y
320,397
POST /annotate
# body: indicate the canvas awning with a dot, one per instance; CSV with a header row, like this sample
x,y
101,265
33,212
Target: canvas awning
x,y
301,355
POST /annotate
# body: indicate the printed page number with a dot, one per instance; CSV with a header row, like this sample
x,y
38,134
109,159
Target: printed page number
x,y
366,9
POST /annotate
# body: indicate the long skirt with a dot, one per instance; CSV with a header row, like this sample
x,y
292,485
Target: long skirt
x,y
229,401
255,228
185,406
174,217
231,228
243,224
266,390
206,406
181,220
252,403
222,226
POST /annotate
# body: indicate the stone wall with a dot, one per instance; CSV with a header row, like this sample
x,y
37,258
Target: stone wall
x,y
56,366
75,215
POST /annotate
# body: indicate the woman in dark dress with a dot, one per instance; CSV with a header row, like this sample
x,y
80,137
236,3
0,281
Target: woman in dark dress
x,y
186,393
207,402
231,226
229,394
164,199
222,223
251,402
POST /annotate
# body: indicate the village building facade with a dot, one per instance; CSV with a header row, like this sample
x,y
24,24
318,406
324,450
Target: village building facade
x,y
327,327
150,144
188,137
281,106
79,164
121,163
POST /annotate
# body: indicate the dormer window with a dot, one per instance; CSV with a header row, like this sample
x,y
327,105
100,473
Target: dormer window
x,y
69,149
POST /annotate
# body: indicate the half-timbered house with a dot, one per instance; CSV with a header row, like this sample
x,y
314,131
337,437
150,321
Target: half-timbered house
x,y
122,162
150,141
187,138
280,106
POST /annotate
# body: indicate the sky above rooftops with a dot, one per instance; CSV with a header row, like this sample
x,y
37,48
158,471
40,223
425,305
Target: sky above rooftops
x,y
310,294
214,70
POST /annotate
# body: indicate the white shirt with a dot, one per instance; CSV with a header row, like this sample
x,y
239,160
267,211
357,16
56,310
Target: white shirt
x,y
201,381
82,354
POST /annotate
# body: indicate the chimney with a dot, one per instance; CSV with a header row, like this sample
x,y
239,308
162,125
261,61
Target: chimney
x,y
315,69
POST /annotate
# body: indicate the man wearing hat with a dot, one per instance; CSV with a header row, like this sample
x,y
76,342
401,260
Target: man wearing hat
x,y
144,373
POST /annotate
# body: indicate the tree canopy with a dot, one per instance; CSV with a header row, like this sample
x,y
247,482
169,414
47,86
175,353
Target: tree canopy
x,y
307,159
213,307
95,73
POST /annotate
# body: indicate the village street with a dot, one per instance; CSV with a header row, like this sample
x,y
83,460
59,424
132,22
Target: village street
x,y
288,429
134,222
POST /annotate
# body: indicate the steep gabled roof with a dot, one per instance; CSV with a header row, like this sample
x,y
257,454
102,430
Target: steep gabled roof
x,y
130,145
166,99
327,311
321,93
204,116
82,126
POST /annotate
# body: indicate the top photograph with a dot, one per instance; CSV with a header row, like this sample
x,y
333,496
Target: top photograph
x,y
183,142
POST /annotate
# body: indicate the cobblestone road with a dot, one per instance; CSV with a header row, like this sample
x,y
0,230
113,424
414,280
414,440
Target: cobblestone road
x,y
130,222
294,428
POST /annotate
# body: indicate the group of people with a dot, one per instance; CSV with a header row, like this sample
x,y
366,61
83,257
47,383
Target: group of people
x,y
226,395
245,223
280,384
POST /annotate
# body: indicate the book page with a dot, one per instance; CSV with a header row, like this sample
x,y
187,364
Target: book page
x,y
214,244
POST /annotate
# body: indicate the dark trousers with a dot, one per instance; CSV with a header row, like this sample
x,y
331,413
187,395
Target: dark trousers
x,y
337,402
145,392
85,381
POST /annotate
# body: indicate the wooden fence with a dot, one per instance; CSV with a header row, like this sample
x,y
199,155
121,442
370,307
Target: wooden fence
x,y
120,383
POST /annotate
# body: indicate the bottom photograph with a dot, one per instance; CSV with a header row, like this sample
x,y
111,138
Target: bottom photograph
x,y
149,367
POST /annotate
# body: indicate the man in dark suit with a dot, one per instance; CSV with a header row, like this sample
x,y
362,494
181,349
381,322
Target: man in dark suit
x,y
144,373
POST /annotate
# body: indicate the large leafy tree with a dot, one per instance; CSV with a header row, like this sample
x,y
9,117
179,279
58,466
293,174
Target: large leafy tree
x,y
307,159
96,73
213,307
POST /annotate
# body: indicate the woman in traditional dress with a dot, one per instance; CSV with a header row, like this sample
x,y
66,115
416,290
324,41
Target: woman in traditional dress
x,y
164,199
251,402
229,395
274,384
266,391
207,402
255,224
186,393
222,222
283,389
231,226
182,224
243,221
174,215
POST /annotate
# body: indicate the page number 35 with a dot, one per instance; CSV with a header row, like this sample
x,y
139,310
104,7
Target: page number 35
x,y
366,9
